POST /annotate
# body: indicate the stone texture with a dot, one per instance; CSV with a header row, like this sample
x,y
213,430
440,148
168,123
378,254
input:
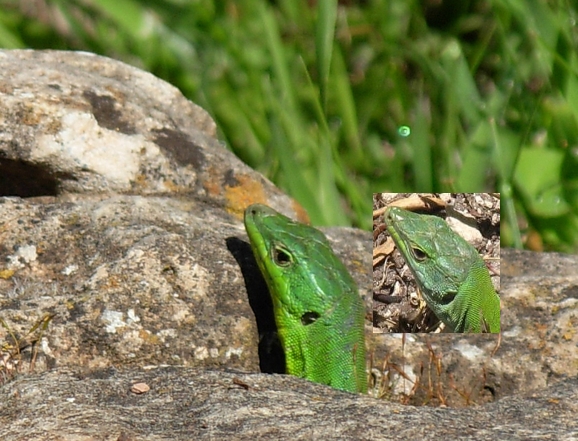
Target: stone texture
x,y
190,404
136,280
123,259
77,123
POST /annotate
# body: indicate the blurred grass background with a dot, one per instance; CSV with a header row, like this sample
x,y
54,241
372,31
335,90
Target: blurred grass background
x,y
334,101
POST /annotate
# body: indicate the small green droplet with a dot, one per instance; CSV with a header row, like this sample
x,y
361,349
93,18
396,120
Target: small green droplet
x,y
404,131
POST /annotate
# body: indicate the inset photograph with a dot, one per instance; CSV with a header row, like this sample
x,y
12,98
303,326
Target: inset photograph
x,y
436,262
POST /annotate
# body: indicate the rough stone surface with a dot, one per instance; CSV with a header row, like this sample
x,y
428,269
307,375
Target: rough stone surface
x,y
123,260
136,280
131,243
537,347
83,124
189,404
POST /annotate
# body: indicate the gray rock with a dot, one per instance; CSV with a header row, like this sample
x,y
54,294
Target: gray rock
x,y
123,259
77,123
140,264
189,404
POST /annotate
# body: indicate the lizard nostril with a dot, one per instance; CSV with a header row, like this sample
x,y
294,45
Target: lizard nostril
x,y
309,317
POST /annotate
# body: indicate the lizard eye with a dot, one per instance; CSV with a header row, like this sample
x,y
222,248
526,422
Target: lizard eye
x,y
309,317
281,256
418,254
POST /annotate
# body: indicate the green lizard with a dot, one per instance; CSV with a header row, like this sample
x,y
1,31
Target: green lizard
x,y
451,275
317,308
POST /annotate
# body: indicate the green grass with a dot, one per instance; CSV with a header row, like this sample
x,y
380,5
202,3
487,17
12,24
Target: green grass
x,y
334,103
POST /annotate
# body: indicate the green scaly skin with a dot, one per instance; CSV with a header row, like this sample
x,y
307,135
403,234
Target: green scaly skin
x,y
317,308
451,275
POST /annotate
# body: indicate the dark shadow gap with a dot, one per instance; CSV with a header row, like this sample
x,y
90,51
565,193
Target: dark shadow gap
x,y
271,355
